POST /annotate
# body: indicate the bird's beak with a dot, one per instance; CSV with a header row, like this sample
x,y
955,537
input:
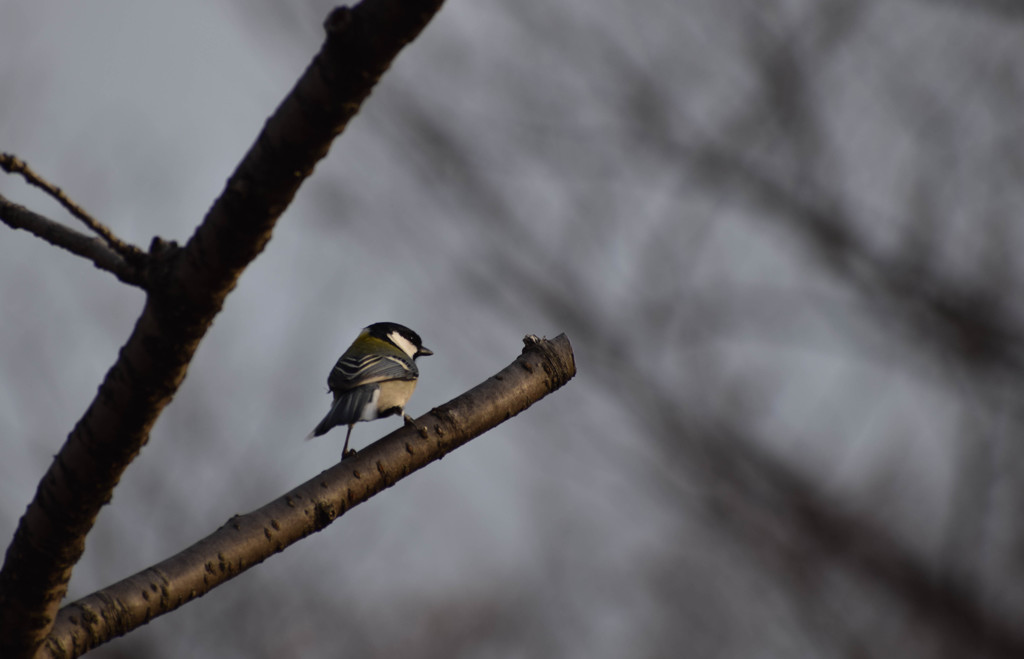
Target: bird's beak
x,y
424,352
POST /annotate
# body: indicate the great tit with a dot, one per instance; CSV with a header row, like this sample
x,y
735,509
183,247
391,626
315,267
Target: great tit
x,y
374,378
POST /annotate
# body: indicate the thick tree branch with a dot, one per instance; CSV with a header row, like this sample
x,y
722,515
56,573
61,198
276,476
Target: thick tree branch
x,y
246,540
186,290
94,249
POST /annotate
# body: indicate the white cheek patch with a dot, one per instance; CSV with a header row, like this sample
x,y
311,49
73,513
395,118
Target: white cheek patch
x,y
405,344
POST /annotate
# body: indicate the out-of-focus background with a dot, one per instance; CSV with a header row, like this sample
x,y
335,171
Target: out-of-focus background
x,y
783,237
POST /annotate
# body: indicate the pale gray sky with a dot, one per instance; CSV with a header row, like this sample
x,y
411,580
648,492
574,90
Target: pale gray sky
x,y
524,169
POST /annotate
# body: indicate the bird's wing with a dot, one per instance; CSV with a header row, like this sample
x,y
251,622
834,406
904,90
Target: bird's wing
x,y
347,408
355,371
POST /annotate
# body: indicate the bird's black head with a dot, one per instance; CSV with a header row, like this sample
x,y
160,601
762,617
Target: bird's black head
x,y
401,336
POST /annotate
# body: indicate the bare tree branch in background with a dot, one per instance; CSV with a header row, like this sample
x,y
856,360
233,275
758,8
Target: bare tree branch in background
x,y
959,321
246,540
998,9
797,190
186,289
780,516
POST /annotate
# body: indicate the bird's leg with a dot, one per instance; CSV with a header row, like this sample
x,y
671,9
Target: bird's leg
x,y
344,451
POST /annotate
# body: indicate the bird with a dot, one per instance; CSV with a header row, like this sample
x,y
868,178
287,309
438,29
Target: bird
x,y
373,379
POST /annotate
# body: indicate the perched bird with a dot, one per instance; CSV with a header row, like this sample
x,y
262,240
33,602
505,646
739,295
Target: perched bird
x,y
374,378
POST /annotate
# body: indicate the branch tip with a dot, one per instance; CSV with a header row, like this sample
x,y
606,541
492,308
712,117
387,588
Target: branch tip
x,y
338,20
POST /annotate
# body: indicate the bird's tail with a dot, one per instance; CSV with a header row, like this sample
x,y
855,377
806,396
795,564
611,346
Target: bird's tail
x,y
321,427
346,410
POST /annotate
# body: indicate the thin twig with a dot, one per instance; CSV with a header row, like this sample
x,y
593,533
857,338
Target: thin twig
x,y
94,249
14,165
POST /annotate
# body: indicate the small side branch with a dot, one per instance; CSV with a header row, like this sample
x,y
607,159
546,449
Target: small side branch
x,y
94,249
246,540
14,165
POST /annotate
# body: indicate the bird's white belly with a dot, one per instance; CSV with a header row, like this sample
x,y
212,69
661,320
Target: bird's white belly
x,y
390,395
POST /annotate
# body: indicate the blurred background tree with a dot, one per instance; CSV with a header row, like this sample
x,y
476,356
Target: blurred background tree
x,y
779,234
